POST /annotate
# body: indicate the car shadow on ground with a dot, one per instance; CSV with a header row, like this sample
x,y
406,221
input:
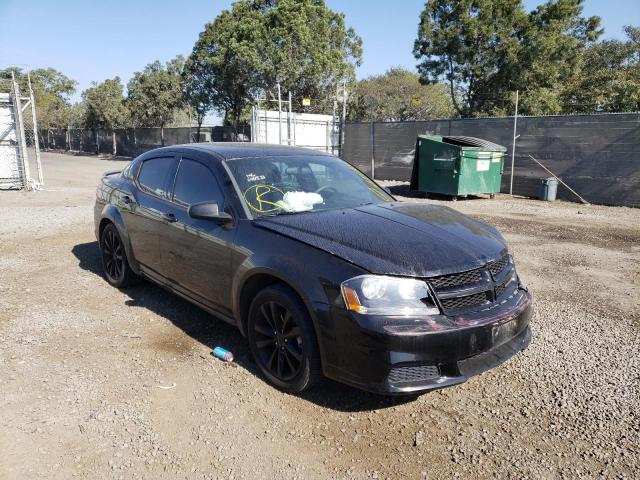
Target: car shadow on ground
x,y
212,332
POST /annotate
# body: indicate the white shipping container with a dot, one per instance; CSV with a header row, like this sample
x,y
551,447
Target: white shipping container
x,y
309,130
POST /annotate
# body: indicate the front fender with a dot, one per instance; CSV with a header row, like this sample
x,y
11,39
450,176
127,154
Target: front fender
x,y
314,274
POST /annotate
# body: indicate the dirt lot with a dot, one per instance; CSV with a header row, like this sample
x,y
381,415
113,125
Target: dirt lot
x,y
101,383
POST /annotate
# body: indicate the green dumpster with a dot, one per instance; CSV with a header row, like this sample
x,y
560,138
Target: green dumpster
x,y
457,166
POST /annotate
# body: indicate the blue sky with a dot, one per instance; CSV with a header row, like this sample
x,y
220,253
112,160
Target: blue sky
x,y
95,40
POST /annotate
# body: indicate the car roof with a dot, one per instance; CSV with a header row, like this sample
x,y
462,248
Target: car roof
x,y
231,150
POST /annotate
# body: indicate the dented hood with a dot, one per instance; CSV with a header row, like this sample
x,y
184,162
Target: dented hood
x,y
395,238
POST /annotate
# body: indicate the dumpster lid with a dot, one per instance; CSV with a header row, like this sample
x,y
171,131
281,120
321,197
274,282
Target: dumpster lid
x,y
463,141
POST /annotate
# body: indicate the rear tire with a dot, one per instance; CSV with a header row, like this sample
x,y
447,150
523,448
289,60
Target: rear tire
x,y
114,259
282,340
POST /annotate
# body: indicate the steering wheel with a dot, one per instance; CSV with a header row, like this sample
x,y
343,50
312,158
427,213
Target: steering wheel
x,y
326,188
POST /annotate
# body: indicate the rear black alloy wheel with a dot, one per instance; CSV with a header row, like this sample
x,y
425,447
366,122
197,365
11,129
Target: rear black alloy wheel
x,y
112,255
114,258
282,339
278,341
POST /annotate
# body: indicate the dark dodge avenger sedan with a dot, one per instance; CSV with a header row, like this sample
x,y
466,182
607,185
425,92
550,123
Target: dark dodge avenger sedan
x,y
321,269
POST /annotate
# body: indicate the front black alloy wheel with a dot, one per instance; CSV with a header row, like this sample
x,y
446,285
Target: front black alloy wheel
x,y
114,258
278,340
282,339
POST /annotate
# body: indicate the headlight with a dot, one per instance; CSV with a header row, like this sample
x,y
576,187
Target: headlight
x,y
380,295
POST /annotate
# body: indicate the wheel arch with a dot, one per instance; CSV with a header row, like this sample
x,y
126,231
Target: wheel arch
x,y
254,282
110,214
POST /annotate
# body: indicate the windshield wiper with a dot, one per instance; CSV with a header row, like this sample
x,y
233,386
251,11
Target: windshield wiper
x,y
283,212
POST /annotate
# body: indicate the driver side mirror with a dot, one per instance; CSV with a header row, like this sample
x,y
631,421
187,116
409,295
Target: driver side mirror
x,y
209,211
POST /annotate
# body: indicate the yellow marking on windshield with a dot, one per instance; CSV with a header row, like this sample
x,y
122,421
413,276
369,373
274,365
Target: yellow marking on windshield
x,y
262,205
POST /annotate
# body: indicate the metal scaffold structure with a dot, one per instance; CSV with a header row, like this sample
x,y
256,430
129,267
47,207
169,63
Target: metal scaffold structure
x,y
19,143
286,127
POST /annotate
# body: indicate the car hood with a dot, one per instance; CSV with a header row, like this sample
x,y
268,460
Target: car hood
x,y
395,238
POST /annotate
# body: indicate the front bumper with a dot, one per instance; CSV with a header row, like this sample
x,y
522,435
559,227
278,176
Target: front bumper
x,y
407,356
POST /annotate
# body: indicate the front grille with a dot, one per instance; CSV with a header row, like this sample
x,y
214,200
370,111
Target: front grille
x,y
497,266
471,289
456,279
501,288
413,374
463,303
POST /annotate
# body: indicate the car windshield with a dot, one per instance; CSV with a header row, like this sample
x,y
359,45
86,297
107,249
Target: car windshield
x,y
293,184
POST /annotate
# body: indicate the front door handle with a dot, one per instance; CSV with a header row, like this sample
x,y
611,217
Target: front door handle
x,y
169,217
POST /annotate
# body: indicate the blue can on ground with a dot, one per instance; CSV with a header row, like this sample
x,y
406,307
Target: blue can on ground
x,y
223,354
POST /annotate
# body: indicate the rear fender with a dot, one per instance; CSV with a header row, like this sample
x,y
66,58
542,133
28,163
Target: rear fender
x,y
111,213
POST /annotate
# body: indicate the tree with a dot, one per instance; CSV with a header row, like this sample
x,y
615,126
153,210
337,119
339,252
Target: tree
x,y
608,79
398,95
309,50
155,93
197,86
486,49
300,44
228,55
51,91
105,107
552,43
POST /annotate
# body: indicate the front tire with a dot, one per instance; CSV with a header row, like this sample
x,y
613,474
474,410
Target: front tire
x,y
282,340
114,259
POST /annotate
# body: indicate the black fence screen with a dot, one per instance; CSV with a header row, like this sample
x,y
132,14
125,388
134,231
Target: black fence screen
x,y
597,155
131,142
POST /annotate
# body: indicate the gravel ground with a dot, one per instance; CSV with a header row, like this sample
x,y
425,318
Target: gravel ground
x,y
101,383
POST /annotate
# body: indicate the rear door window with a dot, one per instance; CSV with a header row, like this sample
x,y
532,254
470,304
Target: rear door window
x,y
196,183
155,175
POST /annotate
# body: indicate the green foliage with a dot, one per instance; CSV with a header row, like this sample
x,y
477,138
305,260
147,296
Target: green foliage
x,y
227,59
486,49
398,95
155,93
197,88
471,44
308,49
51,90
608,79
552,43
258,43
103,105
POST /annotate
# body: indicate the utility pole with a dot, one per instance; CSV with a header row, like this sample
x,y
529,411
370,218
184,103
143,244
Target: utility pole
x,y
334,123
289,121
344,115
279,115
513,145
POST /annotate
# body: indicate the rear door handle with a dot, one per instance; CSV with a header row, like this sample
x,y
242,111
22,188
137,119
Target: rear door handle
x,y
169,217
